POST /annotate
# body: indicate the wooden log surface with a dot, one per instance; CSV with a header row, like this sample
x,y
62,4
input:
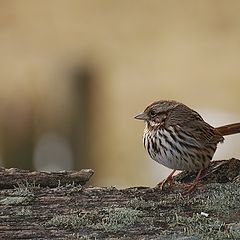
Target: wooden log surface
x,y
72,211
12,177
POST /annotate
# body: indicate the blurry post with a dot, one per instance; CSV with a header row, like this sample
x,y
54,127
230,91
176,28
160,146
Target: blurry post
x,y
81,78
17,134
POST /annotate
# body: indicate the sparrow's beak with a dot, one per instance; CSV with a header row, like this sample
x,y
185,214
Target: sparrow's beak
x,y
142,116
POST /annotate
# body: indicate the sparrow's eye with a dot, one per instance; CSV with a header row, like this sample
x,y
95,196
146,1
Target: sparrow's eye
x,y
152,113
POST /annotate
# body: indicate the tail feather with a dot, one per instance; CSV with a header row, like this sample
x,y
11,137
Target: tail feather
x,y
229,129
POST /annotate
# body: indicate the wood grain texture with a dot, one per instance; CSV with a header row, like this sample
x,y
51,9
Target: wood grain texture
x,y
73,211
13,176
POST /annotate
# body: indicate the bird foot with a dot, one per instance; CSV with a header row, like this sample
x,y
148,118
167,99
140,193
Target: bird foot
x,y
191,186
188,188
168,181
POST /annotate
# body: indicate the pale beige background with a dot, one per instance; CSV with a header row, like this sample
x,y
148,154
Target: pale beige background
x,y
141,50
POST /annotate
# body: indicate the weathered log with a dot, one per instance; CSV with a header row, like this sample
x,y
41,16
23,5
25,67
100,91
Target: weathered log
x,y
13,176
72,211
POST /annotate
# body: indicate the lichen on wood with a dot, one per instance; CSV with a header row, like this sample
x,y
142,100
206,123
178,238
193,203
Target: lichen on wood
x,y
14,176
73,211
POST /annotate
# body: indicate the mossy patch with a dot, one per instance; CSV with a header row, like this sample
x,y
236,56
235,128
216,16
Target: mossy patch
x,y
218,203
24,211
217,198
204,227
113,219
72,188
22,194
164,202
81,237
108,219
75,212
68,221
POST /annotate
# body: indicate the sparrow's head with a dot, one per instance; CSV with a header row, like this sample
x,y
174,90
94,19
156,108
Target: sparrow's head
x,y
168,113
156,113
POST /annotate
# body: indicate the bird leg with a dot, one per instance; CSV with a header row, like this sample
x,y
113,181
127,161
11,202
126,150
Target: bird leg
x,y
189,187
169,180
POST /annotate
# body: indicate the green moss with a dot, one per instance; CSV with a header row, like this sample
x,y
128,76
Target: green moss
x,y
13,200
21,194
219,201
169,214
204,227
68,221
218,198
109,219
69,188
164,202
25,211
141,204
81,237
113,219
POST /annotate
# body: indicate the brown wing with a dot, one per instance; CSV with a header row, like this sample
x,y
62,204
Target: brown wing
x,y
204,133
194,126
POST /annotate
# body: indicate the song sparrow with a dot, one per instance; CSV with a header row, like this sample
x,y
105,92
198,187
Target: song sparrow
x,y
177,137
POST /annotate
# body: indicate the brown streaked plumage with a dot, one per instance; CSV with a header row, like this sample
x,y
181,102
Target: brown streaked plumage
x,y
177,137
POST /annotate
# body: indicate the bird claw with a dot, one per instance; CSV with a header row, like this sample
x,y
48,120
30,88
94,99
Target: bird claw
x,y
188,188
168,181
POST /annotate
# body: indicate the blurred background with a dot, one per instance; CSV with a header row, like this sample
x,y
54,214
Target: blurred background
x,y
75,73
